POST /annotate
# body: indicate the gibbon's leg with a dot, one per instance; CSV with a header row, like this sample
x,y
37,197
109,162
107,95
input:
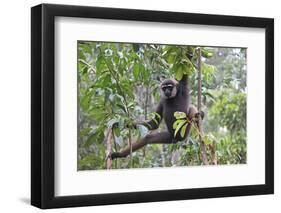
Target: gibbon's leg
x,y
153,138
193,116
194,113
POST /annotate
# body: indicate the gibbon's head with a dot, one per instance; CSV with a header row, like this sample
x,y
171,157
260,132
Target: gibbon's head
x,y
169,88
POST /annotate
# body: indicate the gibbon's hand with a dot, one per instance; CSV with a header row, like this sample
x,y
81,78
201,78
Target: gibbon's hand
x,y
201,113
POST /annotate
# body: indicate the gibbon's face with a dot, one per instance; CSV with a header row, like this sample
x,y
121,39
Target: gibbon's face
x,y
169,88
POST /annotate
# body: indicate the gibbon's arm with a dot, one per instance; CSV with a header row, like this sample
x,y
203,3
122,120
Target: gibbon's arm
x,y
184,79
151,124
183,83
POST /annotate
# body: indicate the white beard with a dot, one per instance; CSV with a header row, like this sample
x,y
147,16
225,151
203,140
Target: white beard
x,y
174,92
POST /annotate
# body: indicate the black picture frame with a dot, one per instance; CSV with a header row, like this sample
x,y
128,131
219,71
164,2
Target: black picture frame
x,y
43,105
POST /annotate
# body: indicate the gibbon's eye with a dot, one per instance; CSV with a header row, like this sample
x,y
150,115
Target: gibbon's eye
x,y
164,88
169,86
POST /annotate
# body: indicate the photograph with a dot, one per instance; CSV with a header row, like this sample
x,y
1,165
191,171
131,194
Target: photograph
x,y
144,105
138,105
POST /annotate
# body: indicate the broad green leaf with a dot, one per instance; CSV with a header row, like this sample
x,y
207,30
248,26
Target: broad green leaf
x,y
179,115
176,123
154,115
180,124
100,64
157,115
98,113
179,74
183,130
171,58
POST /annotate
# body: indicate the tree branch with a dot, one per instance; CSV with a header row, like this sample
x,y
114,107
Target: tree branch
x,y
108,148
87,64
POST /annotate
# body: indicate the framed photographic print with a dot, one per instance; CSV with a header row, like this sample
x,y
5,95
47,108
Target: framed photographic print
x,y
139,106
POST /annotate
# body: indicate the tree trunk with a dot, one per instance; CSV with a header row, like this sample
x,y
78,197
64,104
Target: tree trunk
x,y
109,148
202,144
115,147
163,156
146,102
131,148
214,159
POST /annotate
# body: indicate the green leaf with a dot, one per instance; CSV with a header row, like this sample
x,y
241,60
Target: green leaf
x,y
90,140
136,70
146,74
85,101
127,87
87,161
136,47
183,130
148,125
207,94
100,64
179,115
178,75
208,69
106,79
157,115
180,124
178,72
207,53
206,140
98,114
176,123
122,107
85,131
117,131
155,121
209,138
97,136
82,68
154,115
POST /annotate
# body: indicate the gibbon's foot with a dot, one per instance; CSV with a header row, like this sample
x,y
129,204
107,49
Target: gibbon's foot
x,y
114,155
201,113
